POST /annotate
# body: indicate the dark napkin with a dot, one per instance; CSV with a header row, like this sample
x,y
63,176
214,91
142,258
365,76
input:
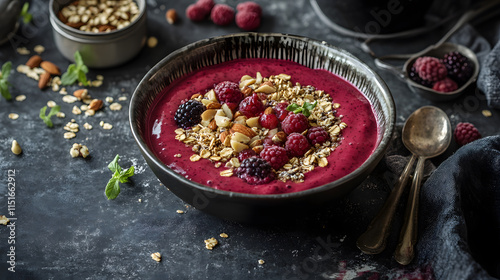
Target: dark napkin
x,y
459,225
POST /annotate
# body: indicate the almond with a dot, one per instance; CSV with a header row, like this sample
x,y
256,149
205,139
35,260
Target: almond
x,y
171,16
258,149
196,95
247,91
214,105
223,135
43,82
279,137
268,111
212,125
244,130
50,67
95,104
81,93
266,87
34,61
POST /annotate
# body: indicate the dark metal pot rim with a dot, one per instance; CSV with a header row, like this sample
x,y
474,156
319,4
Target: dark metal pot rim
x,y
377,154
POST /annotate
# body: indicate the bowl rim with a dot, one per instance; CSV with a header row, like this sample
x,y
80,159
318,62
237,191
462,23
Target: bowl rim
x,y
375,156
77,32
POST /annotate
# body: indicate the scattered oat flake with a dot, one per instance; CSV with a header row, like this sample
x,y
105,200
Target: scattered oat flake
x,y
69,99
156,256
20,98
152,42
227,173
115,107
23,51
69,135
223,235
87,126
51,103
13,116
261,261
211,243
99,77
180,211
76,110
61,115
4,220
109,99
97,83
195,157
90,112
487,113
63,91
39,49
140,200
122,98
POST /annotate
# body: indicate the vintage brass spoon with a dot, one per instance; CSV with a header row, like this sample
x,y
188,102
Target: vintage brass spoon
x,y
427,134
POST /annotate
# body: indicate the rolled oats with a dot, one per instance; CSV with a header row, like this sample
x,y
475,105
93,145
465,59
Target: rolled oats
x,y
211,243
20,98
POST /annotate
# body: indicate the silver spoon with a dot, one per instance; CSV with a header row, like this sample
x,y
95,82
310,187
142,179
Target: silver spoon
x,y
427,134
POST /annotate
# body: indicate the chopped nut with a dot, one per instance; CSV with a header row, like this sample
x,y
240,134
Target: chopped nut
x,y
13,116
107,126
81,93
211,243
16,148
223,235
69,135
39,49
61,115
115,107
171,16
486,113
95,104
76,110
261,261
122,98
87,126
109,99
156,256
69,99
90,112
51,104
23,51
180,212
79,150
4,220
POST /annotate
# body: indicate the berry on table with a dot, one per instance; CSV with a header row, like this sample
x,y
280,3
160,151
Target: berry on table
x,y
228,92
251,106
247,20
317,135
189,114
465,133
430,69
296,145
295,123
275,155
445,85
196,12
249,6
255,171
207,5
222,14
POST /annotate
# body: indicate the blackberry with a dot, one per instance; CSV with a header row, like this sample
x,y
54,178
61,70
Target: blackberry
x,y
189,114
416,78
255,171
459,67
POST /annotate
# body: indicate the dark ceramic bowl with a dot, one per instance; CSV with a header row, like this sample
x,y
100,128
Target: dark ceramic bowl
x,y
311,53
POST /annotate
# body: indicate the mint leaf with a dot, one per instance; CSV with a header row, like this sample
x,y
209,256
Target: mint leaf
x,y
305,109
75,72
46,118
293,107
309,106
113,187
113,166
27,17
4,83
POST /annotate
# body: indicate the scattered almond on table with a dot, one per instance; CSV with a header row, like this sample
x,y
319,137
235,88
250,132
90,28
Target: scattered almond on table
x,y
156,256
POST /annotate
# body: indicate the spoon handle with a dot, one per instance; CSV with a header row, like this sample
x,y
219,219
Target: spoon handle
x,y
373,240
408,236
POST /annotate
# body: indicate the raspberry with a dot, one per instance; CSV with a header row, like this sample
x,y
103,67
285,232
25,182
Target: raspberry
x,y
248,153
249,6
445,85
296,145
317,135
247,20
269,121
459,67
295,123
196,12
416,78
222,14
275,155
189,113
228,92
466,133
255,171
430,69
281,111
251,106
207,5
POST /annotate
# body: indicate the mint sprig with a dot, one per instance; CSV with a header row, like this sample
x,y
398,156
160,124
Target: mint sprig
x,y
46,118
4,83
304,109
27,17
119,176
75,72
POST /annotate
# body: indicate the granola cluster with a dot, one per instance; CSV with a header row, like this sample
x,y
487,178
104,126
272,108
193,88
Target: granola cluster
x,y
224,131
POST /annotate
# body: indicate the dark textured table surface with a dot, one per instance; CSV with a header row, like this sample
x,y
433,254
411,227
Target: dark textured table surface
x,y
67,229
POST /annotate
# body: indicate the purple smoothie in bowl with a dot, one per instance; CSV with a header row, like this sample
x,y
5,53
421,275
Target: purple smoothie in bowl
x,y
362,100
